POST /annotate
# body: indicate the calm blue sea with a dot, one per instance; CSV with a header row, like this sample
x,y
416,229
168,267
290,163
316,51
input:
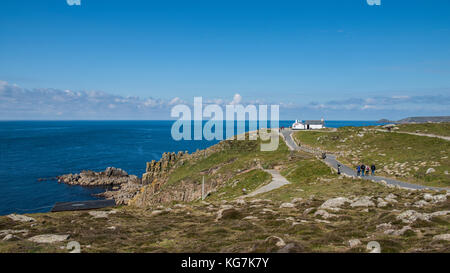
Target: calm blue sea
x,y
30,150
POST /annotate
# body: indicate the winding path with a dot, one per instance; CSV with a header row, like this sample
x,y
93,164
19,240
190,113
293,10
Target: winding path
x,y
277,181
331,161
416,134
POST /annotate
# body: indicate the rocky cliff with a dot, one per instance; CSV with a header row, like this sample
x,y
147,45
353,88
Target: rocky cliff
x,y
157,188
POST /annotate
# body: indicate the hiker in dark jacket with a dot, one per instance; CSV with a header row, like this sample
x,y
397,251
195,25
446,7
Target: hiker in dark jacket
x,y
373,168
367,170
358,170
339,168
363,169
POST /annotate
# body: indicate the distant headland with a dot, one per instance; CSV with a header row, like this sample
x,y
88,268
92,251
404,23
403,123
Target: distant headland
x,y
418,119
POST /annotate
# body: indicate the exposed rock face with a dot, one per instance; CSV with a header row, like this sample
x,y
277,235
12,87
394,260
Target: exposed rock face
x,y
160,169
124,194
185,190
111,176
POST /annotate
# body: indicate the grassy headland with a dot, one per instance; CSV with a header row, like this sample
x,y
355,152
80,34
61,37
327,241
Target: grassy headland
x,y
417,159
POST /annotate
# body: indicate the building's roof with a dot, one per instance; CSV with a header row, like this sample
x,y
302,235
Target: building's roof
x,y
314,122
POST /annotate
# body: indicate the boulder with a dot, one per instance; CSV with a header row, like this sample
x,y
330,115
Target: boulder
x,y
275,240
156,212
324,214
48,238
363,201
381,203
21,218
101,213
420,203
397,232
354,243
335,203
410,216
291,248
10,237
287,205
435,198
228,213
442,237
391,198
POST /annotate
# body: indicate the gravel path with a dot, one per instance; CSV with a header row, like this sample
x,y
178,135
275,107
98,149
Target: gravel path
x,y
277,181
331,161
416,134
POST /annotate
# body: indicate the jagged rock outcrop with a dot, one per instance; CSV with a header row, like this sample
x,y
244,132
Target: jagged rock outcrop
x,y
160,169
111,176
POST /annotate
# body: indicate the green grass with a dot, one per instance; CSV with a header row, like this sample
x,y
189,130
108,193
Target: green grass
x,y
233,188
233,155
388,151
440,129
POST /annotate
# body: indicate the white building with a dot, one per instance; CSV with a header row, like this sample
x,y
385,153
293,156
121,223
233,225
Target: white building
x,y
308,124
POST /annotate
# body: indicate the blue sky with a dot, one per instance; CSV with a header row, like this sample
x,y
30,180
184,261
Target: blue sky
x,y
333,59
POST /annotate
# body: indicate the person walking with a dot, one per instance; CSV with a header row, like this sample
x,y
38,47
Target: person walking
x,y
358,170
363,169
373,168
339,168
367,170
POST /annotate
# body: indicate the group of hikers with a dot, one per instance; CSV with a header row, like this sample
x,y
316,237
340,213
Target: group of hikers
x,y
363,169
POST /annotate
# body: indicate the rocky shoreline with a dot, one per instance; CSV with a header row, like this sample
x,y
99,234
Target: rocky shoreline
x,y
110,177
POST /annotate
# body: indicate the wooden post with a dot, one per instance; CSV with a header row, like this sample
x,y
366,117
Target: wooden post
x,y
203,188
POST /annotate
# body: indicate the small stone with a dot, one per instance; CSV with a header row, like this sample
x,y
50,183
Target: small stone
x,y
430,170
250,218
307,211
156,212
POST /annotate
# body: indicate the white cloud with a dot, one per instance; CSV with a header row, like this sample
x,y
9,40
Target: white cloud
x,y
237,98
46,103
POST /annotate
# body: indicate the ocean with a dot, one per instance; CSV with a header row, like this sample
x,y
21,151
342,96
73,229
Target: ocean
x,y
30,150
